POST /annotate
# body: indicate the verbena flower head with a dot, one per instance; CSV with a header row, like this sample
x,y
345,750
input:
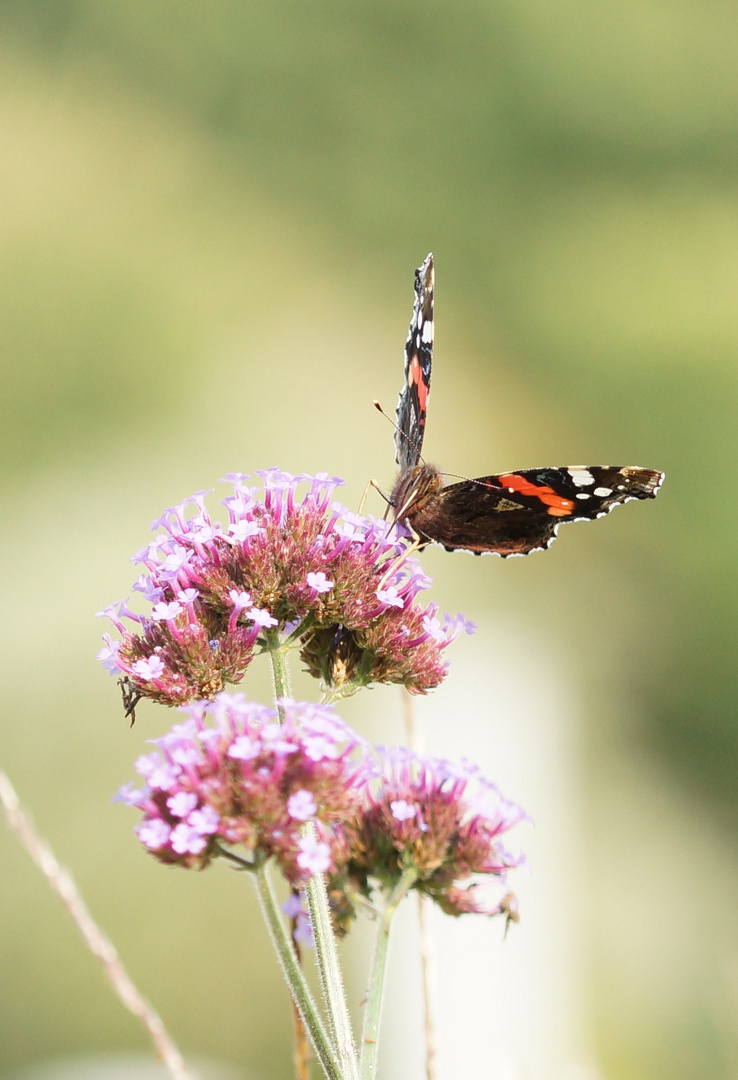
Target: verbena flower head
x,y
231,780
231,776
443,820
289,560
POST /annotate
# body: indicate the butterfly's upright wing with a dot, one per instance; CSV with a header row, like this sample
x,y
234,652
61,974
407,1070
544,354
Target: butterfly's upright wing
x,y
413,401
516,513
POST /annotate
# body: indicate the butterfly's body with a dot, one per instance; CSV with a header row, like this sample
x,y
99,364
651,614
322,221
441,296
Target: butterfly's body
x,y
503,514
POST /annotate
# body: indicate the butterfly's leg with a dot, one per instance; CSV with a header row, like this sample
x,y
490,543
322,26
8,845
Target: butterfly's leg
x,y
375,485
417,543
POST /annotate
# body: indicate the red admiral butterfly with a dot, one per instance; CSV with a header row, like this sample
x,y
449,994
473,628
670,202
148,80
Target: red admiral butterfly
x,y
507,514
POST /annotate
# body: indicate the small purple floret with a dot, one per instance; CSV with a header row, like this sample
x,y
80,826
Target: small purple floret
x,y
319,582
150,669
402,809
315,856
301,806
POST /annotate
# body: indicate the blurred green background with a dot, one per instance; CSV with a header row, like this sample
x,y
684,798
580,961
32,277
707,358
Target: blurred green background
x,y
210,217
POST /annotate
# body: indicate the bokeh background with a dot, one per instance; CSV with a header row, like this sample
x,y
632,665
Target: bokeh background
x,y
210,215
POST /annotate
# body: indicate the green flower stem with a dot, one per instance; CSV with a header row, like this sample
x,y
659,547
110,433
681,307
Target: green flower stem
x,y
372,1014
295,976
280,670
331,980
326,954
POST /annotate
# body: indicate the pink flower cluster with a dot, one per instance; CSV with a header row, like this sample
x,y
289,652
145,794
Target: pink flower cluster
x,y
443,820
232,774
292,562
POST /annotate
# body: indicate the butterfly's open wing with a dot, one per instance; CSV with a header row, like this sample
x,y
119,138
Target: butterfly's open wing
x,y
413,401
516,513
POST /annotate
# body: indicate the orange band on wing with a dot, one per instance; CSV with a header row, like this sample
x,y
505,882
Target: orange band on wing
x,y
415,378
556,504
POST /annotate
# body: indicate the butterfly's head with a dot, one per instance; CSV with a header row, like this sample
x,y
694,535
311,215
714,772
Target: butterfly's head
x,y
413,490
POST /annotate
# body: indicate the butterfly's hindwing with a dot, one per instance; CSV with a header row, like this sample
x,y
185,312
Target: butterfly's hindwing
x,y
516,513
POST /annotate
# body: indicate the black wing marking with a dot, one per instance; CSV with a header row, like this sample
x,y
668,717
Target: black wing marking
x,y
413,401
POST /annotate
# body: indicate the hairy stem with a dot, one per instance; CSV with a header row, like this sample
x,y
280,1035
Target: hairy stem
x,y
331,980
372,1014
280,670
326,954
303,999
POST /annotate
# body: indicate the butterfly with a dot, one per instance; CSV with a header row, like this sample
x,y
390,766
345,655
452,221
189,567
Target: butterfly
x,y
505,514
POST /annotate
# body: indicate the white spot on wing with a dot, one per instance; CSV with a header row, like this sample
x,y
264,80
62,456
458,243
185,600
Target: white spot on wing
x,y
602,493
582,477
583,495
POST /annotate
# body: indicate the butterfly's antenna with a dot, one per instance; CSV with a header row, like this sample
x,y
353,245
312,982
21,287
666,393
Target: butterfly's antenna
x,y
457,476
401,433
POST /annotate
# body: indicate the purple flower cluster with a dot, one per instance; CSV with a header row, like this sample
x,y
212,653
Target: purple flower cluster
x,y
232,774
290,561
443,820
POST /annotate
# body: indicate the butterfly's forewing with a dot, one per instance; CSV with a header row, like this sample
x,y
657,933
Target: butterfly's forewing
x,y
413,401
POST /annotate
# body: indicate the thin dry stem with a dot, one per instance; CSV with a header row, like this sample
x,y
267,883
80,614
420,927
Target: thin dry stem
x,y
414,740
99,944
301,1043
428,964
